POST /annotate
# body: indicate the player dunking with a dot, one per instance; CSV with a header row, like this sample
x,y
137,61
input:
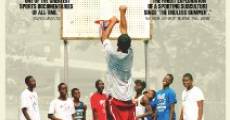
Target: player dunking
x,y
119,68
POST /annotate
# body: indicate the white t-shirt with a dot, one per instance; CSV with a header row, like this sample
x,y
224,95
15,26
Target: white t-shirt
x,y
62,109
189,103
29,100
140,109
119,75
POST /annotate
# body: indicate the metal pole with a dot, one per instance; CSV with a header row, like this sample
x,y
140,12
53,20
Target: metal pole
x,y
146,60
2,62
146,51
66,61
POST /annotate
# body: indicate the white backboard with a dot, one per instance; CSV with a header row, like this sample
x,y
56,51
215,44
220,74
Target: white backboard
x,y
78,23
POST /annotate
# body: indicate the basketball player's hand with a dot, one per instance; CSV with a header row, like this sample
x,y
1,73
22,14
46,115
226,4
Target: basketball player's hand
x,y
123,8
114,19
134,101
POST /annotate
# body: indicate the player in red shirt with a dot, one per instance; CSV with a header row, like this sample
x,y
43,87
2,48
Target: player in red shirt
x,y
98,102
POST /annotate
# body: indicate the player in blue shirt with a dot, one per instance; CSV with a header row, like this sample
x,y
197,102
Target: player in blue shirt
x,y
165,101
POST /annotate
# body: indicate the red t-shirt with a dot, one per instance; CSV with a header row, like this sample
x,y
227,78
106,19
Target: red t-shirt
x,y
98,105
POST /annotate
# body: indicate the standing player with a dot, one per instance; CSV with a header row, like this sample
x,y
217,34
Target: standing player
x,y
62,108
192,100
80,107
29,101
119,63
147,100
98,102
138,99
165,100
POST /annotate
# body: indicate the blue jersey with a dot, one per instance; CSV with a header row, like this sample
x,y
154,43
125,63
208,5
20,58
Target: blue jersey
x,y
164,98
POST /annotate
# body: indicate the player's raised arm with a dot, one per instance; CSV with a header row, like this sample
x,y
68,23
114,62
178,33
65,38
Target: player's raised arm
x,y
123,21
106,30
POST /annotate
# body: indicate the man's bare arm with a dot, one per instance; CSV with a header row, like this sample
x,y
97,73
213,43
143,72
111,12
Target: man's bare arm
x,y
123,21
52,117
106,33
181,114
85,108
25,113
172,110
73,116
94,115
200,109
154,114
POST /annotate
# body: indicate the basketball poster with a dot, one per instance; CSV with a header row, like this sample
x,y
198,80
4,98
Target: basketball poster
x,y
114,60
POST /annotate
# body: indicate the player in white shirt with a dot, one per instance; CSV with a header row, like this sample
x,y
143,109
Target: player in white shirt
x,y
139,87
29,101
142,101
192,100
62,108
